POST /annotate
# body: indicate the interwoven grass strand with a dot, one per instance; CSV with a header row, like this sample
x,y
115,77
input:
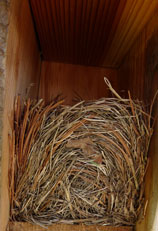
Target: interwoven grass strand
x,y
80,164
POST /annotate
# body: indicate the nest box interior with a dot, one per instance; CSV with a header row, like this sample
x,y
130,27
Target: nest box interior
x,y
67,47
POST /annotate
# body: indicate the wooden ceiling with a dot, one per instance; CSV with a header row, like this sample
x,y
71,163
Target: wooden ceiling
x,y
89,32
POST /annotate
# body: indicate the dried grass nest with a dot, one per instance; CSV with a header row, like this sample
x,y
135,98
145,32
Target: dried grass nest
x,y
83,163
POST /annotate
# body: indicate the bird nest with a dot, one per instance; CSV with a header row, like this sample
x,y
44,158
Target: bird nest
x,y
83,163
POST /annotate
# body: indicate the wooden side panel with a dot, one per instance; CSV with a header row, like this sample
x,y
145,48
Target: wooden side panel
x,y
139,74
62,227
71,80
22,69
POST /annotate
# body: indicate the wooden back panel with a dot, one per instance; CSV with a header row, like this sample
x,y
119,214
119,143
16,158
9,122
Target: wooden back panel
x,y
69,80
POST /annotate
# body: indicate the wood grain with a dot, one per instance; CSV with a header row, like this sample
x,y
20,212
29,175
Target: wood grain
x,y
69,80
22,69
19,226
139,74
139,65
90,32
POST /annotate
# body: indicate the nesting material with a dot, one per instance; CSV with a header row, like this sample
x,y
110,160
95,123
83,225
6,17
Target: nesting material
x,y
80,164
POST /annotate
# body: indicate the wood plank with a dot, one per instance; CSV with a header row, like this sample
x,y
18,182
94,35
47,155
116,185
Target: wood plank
x,y
22,69
139,74
144,12
68,79
19,226
90,32
138,62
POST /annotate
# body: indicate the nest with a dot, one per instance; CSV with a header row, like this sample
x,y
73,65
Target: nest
x,y
80,164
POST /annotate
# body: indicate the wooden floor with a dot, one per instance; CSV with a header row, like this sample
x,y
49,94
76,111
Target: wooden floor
x,y
19,226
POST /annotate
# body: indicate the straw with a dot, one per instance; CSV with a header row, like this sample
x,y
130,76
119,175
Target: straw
x,y
79,164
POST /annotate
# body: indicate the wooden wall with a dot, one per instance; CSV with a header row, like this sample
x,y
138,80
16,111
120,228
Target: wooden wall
x,y
139,74
68,79
139,66
22,69
90,32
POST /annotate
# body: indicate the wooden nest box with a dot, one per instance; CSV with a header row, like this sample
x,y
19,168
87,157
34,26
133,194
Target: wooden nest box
x,y
66,47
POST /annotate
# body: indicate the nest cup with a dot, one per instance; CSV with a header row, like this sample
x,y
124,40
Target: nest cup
x,y
79,164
